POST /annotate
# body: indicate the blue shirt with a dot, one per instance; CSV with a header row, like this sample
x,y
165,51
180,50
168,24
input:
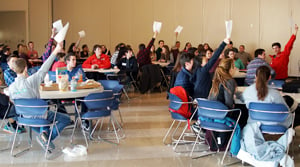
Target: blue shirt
x,y
76,72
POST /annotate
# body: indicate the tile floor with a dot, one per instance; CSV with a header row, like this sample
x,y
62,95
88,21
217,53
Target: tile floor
x,y
146,120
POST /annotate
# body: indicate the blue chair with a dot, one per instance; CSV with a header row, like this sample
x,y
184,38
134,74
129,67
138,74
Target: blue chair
x,y
214,110
174,105
98,107
270,115
32,113
116,88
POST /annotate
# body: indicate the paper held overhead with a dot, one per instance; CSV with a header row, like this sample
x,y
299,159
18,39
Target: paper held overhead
x,y
57,25
292,23
178,29
60,36
81,34
156,26
228,25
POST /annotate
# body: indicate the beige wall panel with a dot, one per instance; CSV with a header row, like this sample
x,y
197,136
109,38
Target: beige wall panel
x,y
121,23
294,68
215,12
245,17
189,15
39,28
274,22
8,5
93,16
142,21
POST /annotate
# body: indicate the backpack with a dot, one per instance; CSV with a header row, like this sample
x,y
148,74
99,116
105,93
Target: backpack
x,y
185,109
291,86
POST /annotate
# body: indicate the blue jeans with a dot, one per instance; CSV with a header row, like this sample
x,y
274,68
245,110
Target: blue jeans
x,y
62,120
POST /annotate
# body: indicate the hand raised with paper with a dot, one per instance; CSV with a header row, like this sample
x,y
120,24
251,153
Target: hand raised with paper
x,y
157,26
228,25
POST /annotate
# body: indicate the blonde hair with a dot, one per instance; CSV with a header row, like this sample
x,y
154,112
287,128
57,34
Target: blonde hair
x,y
19,65
222,75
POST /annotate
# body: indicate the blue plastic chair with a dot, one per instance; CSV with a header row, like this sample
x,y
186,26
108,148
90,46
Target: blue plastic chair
x,y
175,104
116,88
33,113
270,115
98,106
210,110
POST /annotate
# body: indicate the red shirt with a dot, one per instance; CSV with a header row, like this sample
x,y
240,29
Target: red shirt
x,y
102,62
58,64
280,61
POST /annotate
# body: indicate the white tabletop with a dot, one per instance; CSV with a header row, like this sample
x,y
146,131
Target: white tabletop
x,y
110,70
162,64
69,94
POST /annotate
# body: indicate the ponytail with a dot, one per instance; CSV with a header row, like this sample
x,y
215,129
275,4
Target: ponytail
x,y
262,76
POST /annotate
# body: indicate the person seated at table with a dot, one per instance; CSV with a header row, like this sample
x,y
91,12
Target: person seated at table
x,y
85,51
202,79
97,60
60,62
237,61
28,87
260,91
223,85
73,70
143,56
116,53
165,54
184,77
258,61
128,64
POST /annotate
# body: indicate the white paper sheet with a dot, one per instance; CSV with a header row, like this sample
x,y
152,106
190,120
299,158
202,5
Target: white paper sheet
x,y
58,25
81,34
156,26
60,36
228,25
178,29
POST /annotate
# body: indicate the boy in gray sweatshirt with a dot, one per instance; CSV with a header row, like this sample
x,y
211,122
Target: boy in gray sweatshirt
x,y
28,87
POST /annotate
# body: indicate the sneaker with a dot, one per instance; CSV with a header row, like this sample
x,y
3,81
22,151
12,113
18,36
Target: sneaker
x,y
86,125
196,128
42,139
7,128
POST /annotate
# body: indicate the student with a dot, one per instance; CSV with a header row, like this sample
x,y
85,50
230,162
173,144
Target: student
x,y
244,56
259,60
223,85
60,62
143,56
184,77
158,51
72,69
261,92
202,79
128,64
237,61
97,60
28,87
280,60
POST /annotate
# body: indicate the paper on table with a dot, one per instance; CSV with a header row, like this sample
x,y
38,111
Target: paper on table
x,y
228,25
292,23
57,25
178,29
81,34
60,36
156,26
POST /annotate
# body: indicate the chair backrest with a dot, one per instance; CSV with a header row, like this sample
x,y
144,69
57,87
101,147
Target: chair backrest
x,y
211,109
31,107
99,101
268,112
113,85
179,101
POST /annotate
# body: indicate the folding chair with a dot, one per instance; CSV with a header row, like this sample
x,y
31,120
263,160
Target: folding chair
x,y
116,87
118,77
98,106
214,110
176,104
271,116
32,113
3,122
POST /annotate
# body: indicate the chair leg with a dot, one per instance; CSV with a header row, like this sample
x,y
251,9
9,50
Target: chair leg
x,y
184,129
125,92
73,131
14,140
121,118
164,139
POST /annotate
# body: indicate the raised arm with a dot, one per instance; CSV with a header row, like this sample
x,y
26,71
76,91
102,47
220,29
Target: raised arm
x,y
48,51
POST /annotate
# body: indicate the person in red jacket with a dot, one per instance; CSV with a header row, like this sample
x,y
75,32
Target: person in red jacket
x,y
97,60
280,60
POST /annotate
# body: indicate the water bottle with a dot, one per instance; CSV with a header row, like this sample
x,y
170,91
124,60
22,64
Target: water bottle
x,y
73,84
